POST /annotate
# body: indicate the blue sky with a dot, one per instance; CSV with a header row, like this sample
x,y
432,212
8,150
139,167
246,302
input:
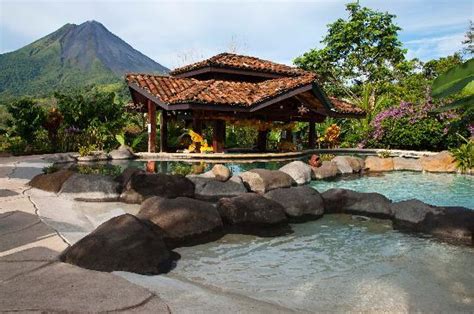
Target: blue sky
x,y
176,32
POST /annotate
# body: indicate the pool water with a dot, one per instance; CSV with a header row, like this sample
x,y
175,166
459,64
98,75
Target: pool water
x,y
339,263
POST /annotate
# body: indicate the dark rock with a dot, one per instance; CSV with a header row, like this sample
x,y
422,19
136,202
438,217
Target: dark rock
x,y
352,202
51,182
91,187
124,243
184,220
125,176
144,185
328,169
298,202
213,190
251,213
299,171
451,224
263,180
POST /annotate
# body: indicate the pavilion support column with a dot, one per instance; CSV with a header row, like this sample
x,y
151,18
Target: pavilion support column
x,y
262,140
197,125
311,135
218,136
151,127
163,132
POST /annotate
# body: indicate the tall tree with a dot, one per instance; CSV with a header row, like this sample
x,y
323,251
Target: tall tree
x,y
364,48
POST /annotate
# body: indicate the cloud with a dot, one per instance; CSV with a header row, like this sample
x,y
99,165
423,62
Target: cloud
x,y
434,47
277,30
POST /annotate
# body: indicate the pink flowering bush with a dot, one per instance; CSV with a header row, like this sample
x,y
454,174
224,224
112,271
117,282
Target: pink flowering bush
x,y
410,126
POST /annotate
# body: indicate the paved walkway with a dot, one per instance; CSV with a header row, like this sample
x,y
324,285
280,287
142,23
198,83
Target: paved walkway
x,y
31,277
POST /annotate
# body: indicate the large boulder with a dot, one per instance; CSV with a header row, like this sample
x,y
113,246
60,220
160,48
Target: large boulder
x,y
352,202
442,162
144,185
124,243
127,174
263,180
51,182
299,171
221,172
298,202
91,187
412,164
378,164
251,211
184,220
123,152
357,164
343,164
328,169
453,224
213,190
218,172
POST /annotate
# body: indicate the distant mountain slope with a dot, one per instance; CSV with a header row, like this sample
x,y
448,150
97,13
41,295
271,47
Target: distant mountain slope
x,y
72,56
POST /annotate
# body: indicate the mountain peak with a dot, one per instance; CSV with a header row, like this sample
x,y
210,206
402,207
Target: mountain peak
x,y
71,56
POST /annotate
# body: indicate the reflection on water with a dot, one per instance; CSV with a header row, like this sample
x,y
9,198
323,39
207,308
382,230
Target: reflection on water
x,y
338,264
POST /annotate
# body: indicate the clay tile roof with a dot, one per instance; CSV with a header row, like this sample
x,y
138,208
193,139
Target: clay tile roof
x,y
173,90
239,62
345,107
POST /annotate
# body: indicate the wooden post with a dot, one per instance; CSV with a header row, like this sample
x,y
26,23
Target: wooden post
x,y
163,132
218,136
312,135
197,126
262,140
151,127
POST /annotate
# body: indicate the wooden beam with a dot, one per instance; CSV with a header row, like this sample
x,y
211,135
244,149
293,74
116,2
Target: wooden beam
x,y
218,136
262,141
311,135
151,127
163,132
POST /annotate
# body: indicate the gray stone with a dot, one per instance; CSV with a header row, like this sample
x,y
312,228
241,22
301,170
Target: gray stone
x,y
123,243
213,190
299,171
328,169
298,201
123,152
343,164
144,185
352,202
90,187
183,219
126,175
401,163
263,180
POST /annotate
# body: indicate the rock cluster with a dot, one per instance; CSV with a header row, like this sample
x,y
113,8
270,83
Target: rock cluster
x,y
179,211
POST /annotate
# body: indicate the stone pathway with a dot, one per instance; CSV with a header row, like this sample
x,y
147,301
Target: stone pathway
x,y
31,277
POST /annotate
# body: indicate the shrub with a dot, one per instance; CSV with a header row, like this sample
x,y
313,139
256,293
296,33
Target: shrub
x,y
26,117
464,155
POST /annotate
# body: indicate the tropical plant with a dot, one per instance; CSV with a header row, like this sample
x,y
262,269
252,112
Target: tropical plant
x,y
26,118
457,80
464,155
